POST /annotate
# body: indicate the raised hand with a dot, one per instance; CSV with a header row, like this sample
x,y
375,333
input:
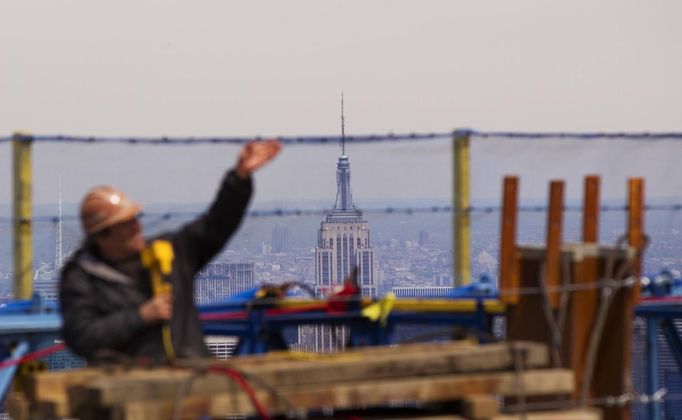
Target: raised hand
x,y
256,154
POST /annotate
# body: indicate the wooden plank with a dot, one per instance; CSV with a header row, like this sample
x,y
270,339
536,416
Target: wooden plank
x,y
636,225
485,358
17,405
49,390
577,414
583,304
612,374
305,373
509,280
554,225
374,393
42,386
53,409
591,209
362,353
293,356
480,406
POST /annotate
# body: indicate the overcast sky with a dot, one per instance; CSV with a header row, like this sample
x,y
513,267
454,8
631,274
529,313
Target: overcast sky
x,y
202,68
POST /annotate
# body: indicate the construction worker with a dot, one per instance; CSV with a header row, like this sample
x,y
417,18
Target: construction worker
x,y
107,298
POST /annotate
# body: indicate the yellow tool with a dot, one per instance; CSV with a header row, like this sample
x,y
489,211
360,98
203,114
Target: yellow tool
x,y
158,259
380,310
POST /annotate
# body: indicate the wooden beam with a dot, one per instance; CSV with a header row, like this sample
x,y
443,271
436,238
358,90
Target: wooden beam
x,y
480,406
481,359
612,374
50,388
375,393
577,414
554,225
583,304
17,405
591,209
509,278
636,225
242,361
164,383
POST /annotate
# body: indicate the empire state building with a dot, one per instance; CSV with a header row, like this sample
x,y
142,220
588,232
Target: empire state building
x,y
343,241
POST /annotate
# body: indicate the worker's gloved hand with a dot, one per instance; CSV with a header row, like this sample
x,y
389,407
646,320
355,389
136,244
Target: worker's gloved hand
x,y
157,309
256,154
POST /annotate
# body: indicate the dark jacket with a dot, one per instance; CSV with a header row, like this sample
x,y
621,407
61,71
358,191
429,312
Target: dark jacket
x,y
99,301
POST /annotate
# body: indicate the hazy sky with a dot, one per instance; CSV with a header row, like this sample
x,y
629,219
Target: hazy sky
x,y
204,68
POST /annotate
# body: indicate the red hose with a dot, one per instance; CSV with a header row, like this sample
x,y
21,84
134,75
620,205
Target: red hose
x,y
245,386
38,354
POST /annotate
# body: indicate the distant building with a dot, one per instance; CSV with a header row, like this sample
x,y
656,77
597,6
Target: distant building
x,y
421,292
222,348
442,279
280,240
423,238
217,281
64,360
47,289
343,243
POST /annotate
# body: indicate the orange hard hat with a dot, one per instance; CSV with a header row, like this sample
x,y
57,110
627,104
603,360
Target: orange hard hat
x,y
105,206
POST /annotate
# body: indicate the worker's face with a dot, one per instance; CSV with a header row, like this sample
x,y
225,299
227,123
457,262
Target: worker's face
x,y
121,240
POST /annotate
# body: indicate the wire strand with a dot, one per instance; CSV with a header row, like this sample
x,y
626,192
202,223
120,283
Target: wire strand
x,y
335,139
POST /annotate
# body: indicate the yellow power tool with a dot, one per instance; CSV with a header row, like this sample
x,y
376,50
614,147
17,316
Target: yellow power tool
x,y
158,259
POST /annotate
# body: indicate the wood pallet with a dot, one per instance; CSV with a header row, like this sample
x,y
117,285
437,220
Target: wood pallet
x,y
474,376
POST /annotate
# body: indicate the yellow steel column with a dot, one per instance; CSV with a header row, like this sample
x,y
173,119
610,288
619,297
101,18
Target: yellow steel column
x,y
23,251
461,241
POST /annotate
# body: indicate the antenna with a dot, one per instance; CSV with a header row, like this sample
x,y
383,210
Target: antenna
x,y
343,129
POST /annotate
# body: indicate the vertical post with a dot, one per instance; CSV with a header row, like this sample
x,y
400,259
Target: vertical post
x,y
636,227
461,242
591,209
21,213
554,224
509,279
613,373
583,303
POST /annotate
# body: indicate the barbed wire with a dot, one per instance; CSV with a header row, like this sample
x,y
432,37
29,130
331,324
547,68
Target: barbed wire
x,y
279,212
333,139
659,396
627,282
287,140
559,135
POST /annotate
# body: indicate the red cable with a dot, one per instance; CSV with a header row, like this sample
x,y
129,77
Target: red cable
x,y
38,354
244,385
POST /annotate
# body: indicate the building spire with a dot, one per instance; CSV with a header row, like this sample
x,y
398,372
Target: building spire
x,y
344,209
343,129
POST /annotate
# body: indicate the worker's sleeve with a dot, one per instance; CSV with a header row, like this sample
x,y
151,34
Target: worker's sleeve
x,y
85,329
203,238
